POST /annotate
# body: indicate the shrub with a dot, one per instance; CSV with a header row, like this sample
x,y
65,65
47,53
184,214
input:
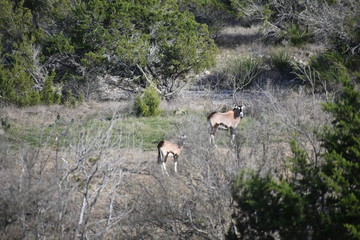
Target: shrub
x,y
297,36
50,95
325,65
34,98
48,91
323,71
148,104
280,60
57,98
69,99
240,72
58,43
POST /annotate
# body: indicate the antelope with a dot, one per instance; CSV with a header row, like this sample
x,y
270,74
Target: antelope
x,y
226,120
167,148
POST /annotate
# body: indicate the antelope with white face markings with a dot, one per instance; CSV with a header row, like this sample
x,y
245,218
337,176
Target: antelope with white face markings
x,y
226,120
166,149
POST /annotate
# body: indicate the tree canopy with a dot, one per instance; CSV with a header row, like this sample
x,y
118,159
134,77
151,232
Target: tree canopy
x,y
158,43
141,42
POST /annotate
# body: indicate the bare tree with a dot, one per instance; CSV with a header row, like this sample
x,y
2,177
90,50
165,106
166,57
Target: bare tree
x,y
336,20
69,193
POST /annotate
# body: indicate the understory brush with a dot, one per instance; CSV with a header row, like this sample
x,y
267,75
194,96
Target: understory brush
x,y
97,177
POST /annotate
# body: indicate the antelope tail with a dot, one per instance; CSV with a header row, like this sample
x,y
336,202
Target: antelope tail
x,y
210,127
210,115
160,153
159,156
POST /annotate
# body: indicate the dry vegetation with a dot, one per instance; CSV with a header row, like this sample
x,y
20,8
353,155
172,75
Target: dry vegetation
x,y
80,182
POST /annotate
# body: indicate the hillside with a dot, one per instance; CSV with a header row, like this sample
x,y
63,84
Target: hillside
x,y
85,167
126,193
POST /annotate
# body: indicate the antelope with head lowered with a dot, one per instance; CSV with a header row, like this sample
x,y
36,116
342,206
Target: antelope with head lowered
x,y
226,120
166,149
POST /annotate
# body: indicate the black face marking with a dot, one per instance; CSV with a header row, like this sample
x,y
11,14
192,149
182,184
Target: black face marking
x,y
238,107
238,111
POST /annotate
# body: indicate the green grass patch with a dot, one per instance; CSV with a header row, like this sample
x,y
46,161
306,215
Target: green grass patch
x,y
129,132
145,132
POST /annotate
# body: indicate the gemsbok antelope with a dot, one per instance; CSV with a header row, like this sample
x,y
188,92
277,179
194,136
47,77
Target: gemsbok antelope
x,y
226,120
167,148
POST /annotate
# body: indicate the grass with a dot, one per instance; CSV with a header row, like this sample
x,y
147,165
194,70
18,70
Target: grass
x,y
145,132
280,59
87,125
127,132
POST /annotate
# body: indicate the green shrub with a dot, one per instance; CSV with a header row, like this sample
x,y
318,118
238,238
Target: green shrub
x,y
297,36
50,95
47,93
242,71
68,99
16,86
324,72
139,105
7,90
34,98
326,65
57,98
329,68
58,43
148,104
280,60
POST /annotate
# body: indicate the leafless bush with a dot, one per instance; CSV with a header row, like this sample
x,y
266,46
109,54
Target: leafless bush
x,y
193,204
63,192
278,116
196,203
336,19
91,189
239,73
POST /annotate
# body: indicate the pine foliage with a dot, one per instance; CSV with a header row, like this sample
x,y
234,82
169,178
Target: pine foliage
x,y
320,200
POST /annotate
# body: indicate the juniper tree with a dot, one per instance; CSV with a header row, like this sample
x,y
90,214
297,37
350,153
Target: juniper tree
x,y
321,199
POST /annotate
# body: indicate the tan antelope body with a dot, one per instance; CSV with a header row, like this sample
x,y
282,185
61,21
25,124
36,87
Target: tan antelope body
x,y
226,120
167,148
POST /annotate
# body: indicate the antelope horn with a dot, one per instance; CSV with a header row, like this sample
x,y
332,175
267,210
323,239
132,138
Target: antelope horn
x,y
236,101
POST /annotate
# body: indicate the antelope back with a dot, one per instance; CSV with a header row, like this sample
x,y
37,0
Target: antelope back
x,y
170,147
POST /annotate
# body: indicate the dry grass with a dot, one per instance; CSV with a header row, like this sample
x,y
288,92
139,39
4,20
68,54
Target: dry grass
x,y
46,115
236,41
137,201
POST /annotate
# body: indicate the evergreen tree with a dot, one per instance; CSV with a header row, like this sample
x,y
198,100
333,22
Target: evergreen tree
x,y
143,42
48,91
17,38
341,171
7,90
148,105
319,200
